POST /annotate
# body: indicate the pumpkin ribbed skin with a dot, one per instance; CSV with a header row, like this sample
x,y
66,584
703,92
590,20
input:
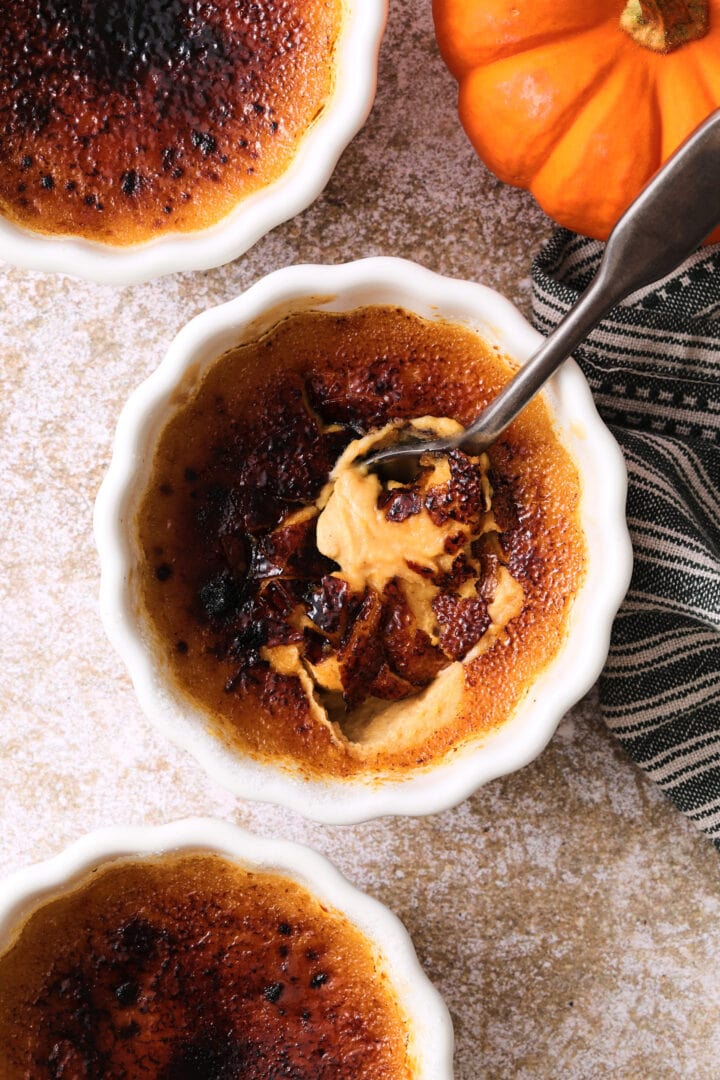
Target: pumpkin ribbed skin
x,y
557,98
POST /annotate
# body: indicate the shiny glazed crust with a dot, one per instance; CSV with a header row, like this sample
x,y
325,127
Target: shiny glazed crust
x,y
124,122
430,1041
294,188
189,964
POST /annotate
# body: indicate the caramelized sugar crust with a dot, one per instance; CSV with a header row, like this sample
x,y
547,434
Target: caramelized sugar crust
x,y
256,441
188,967
124,119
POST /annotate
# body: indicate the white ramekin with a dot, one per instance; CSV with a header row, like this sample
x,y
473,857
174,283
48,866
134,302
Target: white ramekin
x,y
431,1039
562,683
295,189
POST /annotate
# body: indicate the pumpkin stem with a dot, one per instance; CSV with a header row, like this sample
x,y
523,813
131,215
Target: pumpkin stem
x,y
664,25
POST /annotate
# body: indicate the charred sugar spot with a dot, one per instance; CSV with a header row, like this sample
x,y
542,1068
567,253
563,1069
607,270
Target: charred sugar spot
x,y
129,1031
219,597
127,994
249,638
118,41
218,495
130,182
460,571
454,543
273,992
26,162
462,497
318,980
204,142
462,621
285,929
210,1058
400,504
291,551
167,489
71,185
47,182
163,572
361,400
417,568
181,647
283,695
361,656
30,114
328,604
137,939
408,649
489,564
89,200
505,510
190,475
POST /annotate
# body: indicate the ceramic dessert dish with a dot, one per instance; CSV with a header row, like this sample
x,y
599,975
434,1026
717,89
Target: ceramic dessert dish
x,y
144,138
508,608
203,949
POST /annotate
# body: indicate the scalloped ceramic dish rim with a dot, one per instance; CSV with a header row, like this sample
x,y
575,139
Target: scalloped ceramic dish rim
x,y
569,676
296,188
429,1020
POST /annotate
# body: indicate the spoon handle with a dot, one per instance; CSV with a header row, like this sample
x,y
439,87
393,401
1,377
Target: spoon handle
x,y
663,226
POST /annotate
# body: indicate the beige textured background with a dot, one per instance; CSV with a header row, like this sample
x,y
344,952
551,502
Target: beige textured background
x,y
568,914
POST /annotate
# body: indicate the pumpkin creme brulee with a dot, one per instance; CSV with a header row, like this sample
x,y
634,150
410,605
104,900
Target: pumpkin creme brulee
x,y
325,619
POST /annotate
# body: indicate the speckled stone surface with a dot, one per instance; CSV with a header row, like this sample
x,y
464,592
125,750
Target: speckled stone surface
x,y
568,914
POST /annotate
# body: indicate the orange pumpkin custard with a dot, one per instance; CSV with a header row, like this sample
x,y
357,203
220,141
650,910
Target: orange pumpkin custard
x,y
190,967
327,620
121,120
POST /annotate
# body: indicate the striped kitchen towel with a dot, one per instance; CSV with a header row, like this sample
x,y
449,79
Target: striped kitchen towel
x,y
654,367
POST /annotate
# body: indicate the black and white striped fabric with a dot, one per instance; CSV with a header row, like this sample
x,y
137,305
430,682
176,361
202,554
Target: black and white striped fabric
x,y
654,367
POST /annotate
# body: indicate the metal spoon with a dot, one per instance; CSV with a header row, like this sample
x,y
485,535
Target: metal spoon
x,y
670,218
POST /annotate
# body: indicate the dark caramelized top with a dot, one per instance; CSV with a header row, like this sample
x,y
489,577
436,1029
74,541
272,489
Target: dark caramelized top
x,y
225,568
188,967
122,119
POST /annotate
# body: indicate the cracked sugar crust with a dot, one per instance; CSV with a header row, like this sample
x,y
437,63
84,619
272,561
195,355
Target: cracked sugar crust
x,y
420,583
121,121
226,508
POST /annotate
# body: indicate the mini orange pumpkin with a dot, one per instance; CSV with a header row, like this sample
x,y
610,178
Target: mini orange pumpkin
x,y
581,102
